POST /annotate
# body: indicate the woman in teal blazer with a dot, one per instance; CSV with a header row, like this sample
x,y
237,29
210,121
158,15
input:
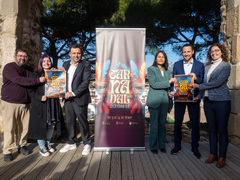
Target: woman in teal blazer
x,y
158,101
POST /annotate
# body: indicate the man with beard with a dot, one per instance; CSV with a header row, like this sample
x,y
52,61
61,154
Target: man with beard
x,y
15,103
187,66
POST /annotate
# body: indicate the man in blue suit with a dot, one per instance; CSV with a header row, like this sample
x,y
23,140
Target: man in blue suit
x,y
187,66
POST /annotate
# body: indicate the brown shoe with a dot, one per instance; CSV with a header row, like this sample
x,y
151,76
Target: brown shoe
x,y
212,157
221,162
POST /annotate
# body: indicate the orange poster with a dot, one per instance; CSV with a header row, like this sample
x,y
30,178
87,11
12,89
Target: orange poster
x,y
183,87
55,86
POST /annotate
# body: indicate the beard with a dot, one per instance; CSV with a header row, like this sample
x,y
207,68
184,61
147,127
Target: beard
x,y
188,59
21,64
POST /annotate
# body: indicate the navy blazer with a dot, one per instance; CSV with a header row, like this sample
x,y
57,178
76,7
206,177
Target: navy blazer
x,y
80,82
197,68
217,85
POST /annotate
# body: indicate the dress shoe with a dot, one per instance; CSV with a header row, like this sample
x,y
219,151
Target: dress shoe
x,y
221,162
212,157
8,157
23,150
175,150
163,150
154,151
196,153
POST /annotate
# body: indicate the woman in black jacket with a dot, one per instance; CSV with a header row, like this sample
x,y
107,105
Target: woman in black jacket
x,y
45,113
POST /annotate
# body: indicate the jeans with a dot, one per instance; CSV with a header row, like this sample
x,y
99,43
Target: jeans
x,y
42,143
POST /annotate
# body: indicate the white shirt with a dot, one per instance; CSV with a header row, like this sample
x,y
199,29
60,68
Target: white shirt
x,y
211,69
187,66
71,72
162,73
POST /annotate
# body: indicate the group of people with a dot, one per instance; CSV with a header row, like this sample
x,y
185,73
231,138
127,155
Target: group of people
x,y
29,114
210,84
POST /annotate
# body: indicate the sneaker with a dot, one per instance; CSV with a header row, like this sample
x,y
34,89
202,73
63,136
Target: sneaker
x,y
50,149
68,147
44,152
8,157
175,150
23,150
86,149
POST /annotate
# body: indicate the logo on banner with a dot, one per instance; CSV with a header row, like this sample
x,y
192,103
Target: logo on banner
x,y
119,87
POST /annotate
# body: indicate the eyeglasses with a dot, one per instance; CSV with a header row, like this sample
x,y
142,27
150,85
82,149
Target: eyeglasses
x,y
21,56
216,50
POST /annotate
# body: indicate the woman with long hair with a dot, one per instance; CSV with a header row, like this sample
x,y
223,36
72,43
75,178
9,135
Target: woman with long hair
x,y
217,103
158,101
45,113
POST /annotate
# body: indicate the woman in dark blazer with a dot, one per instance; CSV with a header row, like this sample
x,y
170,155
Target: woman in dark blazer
x,y
158,101
217,103
45,113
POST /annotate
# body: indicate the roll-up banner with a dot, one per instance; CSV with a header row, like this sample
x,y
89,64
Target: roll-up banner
x,y
120,89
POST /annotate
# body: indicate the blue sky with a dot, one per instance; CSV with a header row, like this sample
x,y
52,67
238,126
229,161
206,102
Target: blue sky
x,y
149,58
172,57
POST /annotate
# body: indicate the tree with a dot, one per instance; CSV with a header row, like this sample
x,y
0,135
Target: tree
x,y
174,22
67,21
196,22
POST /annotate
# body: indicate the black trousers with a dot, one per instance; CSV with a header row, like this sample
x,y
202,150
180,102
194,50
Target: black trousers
x,y
217,114
194,113
74,111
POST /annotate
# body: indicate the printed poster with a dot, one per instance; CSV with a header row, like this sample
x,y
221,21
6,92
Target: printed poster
x,y
183,87
55,86
120,89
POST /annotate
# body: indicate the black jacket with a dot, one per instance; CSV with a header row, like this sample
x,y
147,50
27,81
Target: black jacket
x,y
42,111
80,83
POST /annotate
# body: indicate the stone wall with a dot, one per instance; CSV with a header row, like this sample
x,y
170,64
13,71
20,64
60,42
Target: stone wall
x,y
230,29
19,28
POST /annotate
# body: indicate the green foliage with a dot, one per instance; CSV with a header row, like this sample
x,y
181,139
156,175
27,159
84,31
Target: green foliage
x,y
68,21
167,22
202,126
168,121
174,22
192,20
147,120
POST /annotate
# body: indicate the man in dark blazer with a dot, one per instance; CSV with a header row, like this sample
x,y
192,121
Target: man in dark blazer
x,y
187,66
77,98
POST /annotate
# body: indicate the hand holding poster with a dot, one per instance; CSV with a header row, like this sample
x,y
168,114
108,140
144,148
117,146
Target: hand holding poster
x,y
183,87
55,86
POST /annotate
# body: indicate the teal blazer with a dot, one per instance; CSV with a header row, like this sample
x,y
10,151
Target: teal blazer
x,y
159,86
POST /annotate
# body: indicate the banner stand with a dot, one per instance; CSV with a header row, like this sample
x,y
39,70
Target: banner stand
x,y
120,89
108,149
